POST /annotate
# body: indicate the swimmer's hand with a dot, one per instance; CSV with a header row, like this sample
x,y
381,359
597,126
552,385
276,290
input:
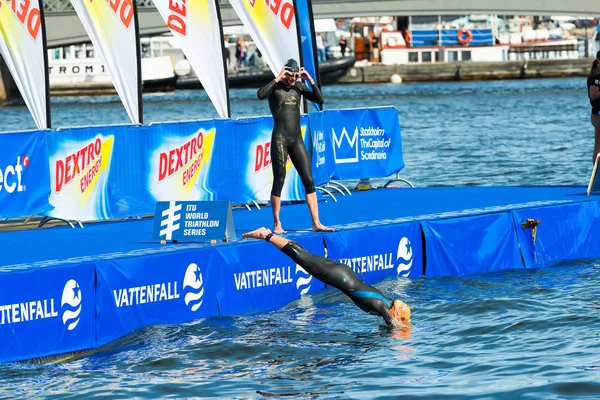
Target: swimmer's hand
x,y
285,72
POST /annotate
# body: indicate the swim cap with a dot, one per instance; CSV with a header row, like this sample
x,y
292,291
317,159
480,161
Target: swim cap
x,y
292,65
400,311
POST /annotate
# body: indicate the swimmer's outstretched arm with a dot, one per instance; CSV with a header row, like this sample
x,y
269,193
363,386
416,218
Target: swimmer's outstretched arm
x,y
262,233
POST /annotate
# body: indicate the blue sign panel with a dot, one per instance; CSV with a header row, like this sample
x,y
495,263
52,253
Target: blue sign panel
x,y
193,220
378,252
24,174
471,245
143,291
565,232
47,311
257,277
366,143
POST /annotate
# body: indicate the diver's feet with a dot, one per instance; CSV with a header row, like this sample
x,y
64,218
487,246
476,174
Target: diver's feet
x,y
259,233
321,228
278,230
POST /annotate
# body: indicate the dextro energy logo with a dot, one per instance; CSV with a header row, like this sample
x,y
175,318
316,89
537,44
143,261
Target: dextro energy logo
x,y
282,10
11,176
263,156
37,309
187,157
28,15
404,257
192,287
371,143
84,167
71,304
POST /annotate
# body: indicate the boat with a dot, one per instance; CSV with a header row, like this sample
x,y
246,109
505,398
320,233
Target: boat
x,y
475,38
77,70
330,72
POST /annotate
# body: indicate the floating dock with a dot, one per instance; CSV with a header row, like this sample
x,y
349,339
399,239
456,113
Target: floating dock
x,y
65,290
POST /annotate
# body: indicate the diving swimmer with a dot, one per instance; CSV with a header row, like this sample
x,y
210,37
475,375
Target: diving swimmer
x,y
340,276
285,93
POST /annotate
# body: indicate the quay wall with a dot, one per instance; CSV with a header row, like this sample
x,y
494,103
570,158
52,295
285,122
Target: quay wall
x,y
469,70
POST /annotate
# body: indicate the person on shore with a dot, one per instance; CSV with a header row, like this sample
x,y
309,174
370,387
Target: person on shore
x,y
341,277
593,83
285,93
321,48
342,43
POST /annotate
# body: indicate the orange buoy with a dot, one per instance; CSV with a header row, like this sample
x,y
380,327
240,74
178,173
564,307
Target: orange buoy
x,y
464,36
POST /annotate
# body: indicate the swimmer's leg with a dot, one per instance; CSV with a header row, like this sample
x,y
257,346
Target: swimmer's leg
x,y
279,156
301,161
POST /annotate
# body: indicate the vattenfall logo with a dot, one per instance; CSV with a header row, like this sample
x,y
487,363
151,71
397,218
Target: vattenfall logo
x,y
71,304
193,291
404,257
384,261
274,277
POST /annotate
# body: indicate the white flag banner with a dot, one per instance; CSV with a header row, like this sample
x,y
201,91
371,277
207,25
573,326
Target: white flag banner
x,y
111,25
272,25
196,27
22,47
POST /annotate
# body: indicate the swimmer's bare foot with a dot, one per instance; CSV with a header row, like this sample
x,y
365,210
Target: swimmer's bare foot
x,y
322,228
278,230
259,233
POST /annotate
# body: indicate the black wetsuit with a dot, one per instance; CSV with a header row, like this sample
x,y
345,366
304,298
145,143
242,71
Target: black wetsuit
x,y
594,80
341,276
284,102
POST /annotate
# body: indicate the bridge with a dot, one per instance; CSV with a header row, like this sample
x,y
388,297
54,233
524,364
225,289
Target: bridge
x,y
64,28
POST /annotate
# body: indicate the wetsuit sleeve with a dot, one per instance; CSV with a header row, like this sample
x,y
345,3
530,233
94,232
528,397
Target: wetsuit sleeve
x,y
313,95
266,90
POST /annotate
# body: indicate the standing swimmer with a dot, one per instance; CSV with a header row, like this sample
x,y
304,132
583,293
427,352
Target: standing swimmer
x,y
340,276
285,93
593,83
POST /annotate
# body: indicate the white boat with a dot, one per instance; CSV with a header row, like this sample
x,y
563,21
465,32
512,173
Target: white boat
x,y
78,70
474,38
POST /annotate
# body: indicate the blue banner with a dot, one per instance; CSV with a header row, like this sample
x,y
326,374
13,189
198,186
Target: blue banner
x,y
304,19
58,301
257,276
449,37
323,167
24,174
471,245
366,143
142,291
379,252
565,232
105,172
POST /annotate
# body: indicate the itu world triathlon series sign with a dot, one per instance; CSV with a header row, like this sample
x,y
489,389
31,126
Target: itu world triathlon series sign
x,y
193,221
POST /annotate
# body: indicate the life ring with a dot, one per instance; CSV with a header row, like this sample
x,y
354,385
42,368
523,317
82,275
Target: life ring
x,y
407,36
462,39
392,41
